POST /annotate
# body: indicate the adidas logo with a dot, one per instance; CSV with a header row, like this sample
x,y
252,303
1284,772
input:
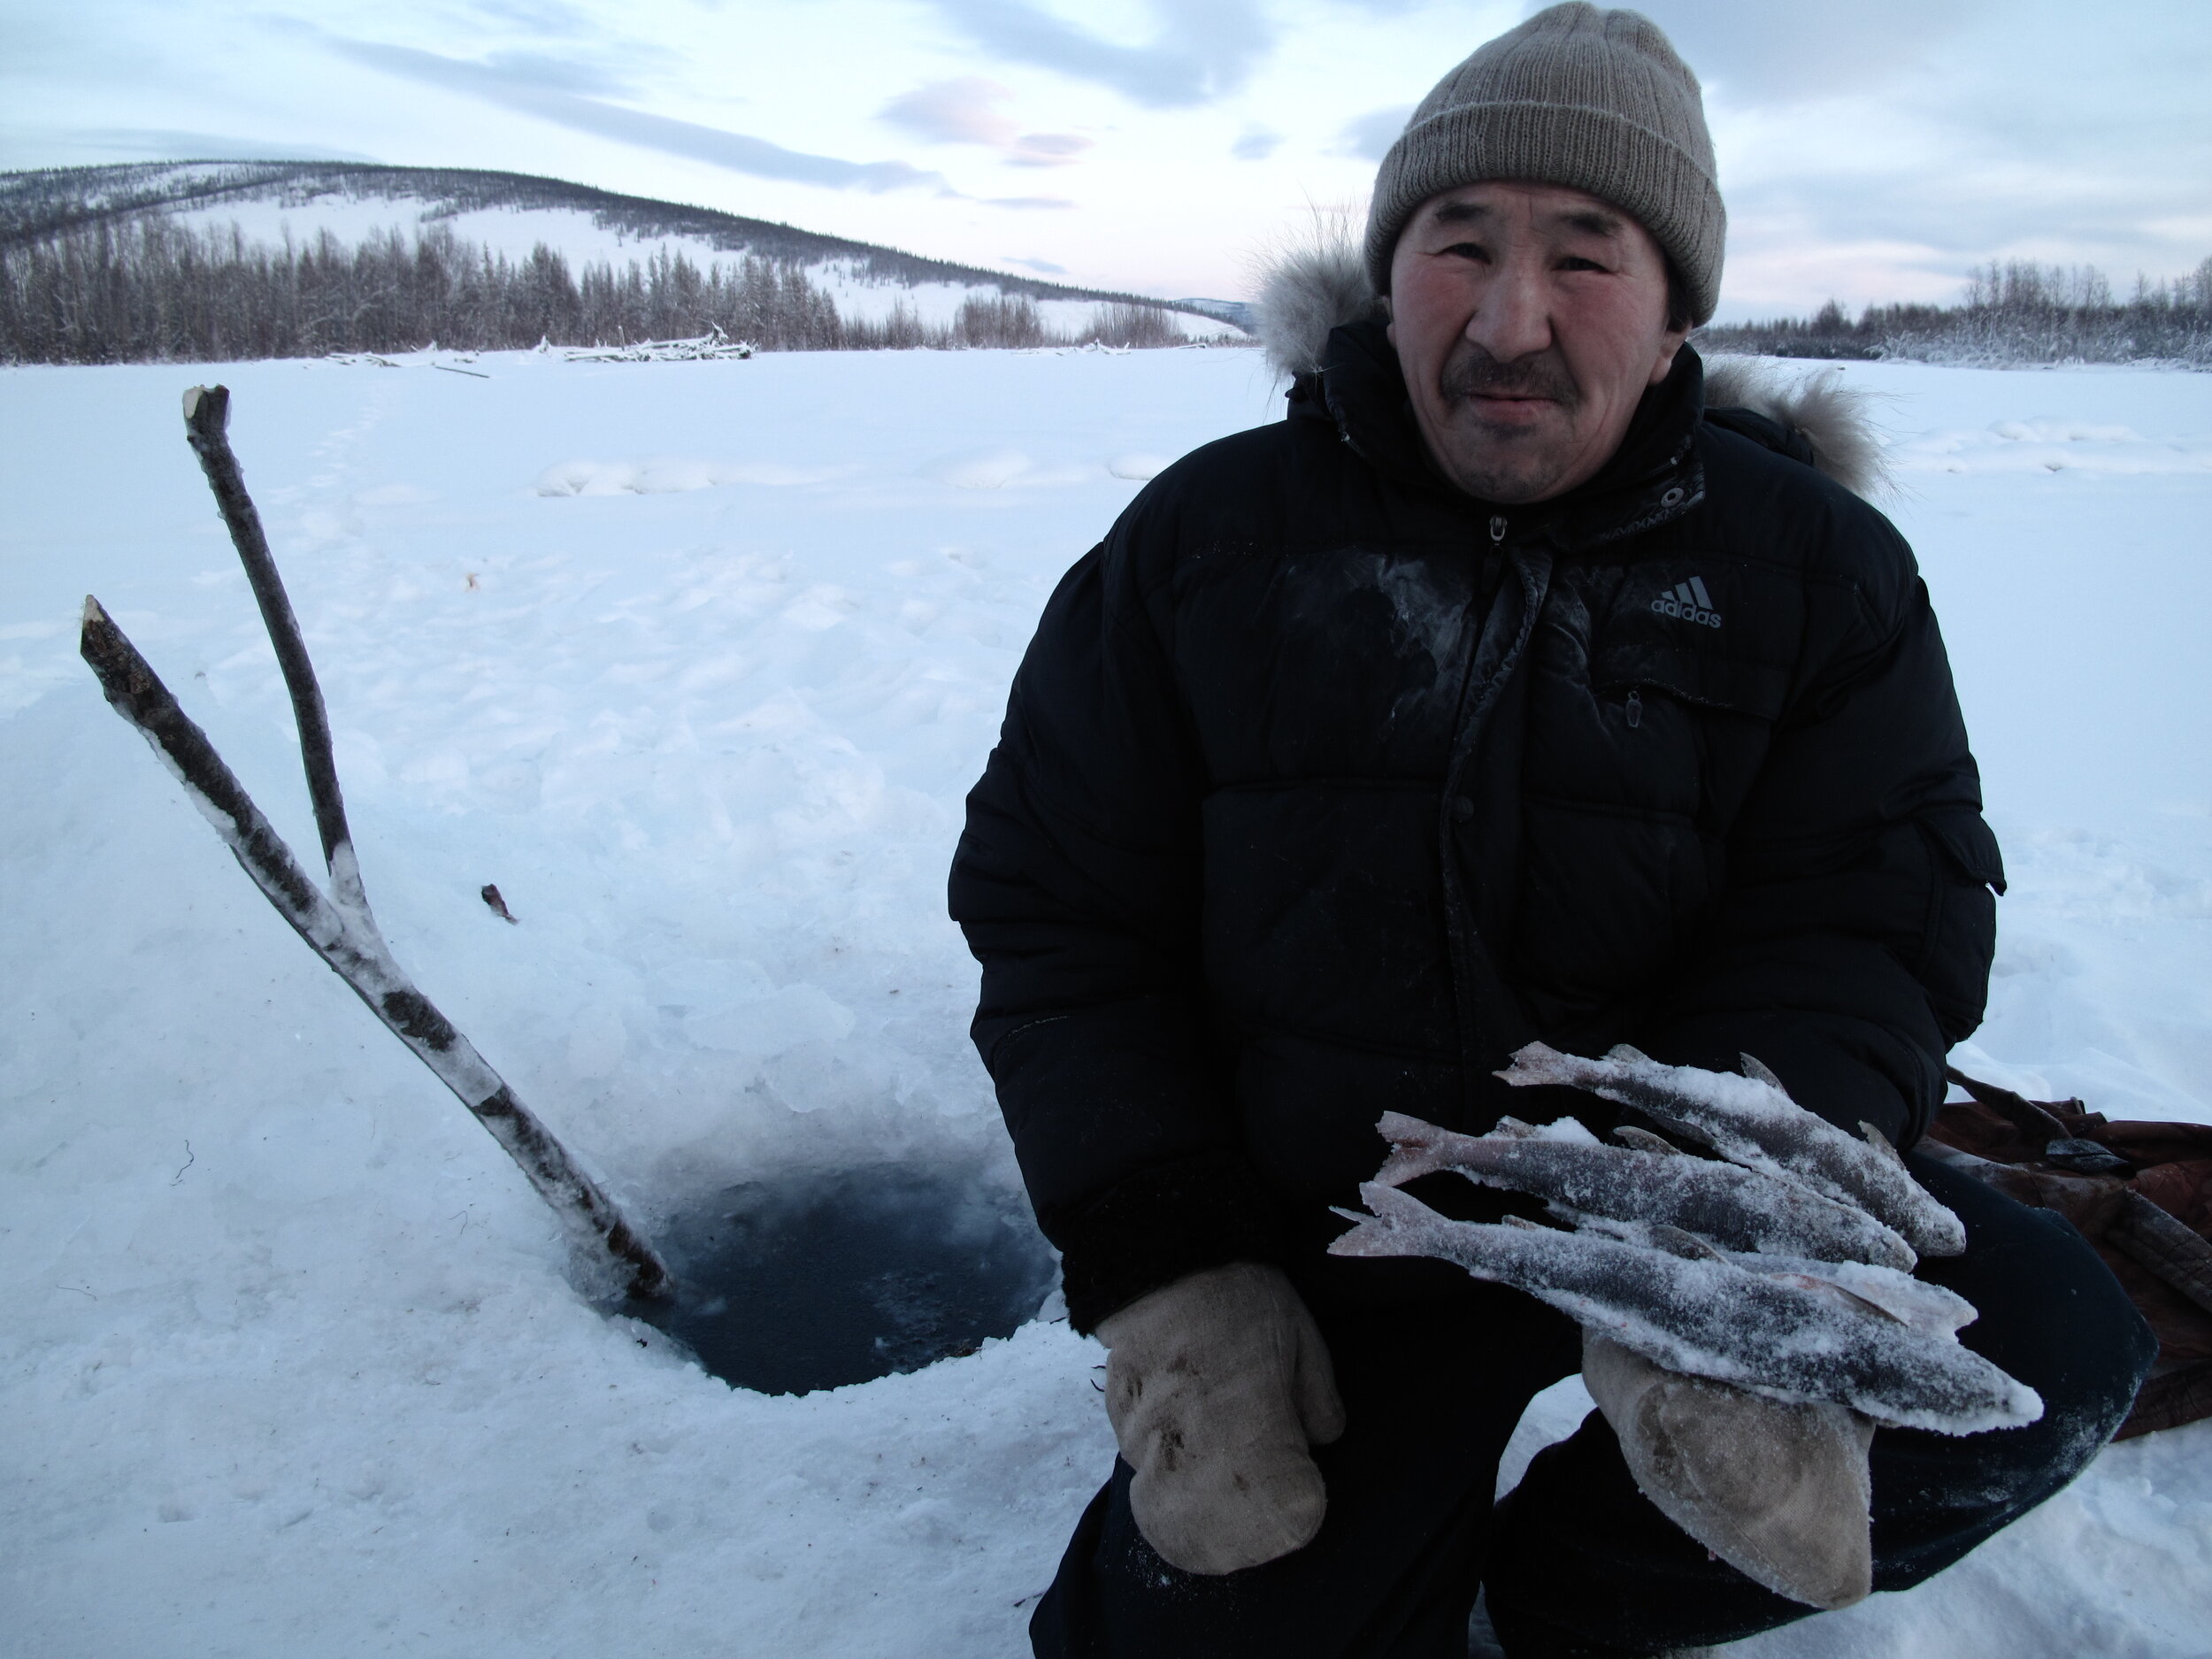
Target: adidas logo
x,y
1690,602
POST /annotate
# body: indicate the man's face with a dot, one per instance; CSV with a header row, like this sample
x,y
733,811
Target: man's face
x,y
1528,320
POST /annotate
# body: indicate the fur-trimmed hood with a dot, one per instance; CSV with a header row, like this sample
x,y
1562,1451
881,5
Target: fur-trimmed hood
x,y
1308,292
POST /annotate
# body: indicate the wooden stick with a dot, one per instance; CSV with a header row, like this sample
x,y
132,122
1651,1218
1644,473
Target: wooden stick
x,y
206,428
339,929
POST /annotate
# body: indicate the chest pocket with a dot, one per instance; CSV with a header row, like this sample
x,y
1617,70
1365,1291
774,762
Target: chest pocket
x,y
1667,678
1713,632
1645,734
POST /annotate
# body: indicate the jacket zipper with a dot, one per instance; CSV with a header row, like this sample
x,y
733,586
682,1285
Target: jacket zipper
x,y
1507,630
1635,706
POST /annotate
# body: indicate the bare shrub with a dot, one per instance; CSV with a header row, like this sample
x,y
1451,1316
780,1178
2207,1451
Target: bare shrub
x,y
1006,321
1124,324
2015,312
901,331
150,290
154,291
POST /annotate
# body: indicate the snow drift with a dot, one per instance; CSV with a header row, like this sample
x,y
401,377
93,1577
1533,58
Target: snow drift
x,y
287,1357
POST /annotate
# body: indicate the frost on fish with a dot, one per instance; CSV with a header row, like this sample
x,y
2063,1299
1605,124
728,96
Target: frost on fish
x,y
1582,1177
1783,1271
1929,1309
1704,1315
1751,1121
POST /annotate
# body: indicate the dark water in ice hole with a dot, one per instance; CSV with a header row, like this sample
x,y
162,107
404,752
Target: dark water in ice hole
x,y
841,1276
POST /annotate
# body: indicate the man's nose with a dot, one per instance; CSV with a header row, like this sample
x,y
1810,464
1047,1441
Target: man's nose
x,y
1513,317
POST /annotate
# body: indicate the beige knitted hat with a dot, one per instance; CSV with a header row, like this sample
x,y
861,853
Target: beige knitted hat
x,y
1593,100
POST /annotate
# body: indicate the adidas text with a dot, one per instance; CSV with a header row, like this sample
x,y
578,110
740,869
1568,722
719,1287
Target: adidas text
x,y
1690,602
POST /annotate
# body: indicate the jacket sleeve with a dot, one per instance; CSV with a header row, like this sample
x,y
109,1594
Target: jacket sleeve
x,y
1076,881
1854,936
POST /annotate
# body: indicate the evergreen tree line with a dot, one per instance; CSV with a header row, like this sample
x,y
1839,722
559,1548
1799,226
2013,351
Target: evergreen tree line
x,y
154,291
2019,311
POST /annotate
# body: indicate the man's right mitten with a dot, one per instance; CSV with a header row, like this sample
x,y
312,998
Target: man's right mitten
x,y
1215,1386
1779,1491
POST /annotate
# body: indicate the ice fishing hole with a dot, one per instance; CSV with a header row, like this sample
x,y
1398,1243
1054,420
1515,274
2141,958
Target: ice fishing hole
x,y
814,1281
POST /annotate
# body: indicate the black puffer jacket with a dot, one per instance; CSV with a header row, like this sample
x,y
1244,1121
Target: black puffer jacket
x,y
1324,786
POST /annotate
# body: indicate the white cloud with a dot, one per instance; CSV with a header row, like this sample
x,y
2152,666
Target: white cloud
x,y
1204,50
1369,136
97,146
1870,148
1760,52
965,111
526,93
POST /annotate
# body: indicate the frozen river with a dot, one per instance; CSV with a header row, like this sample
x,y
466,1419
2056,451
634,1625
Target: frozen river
x,y
696,662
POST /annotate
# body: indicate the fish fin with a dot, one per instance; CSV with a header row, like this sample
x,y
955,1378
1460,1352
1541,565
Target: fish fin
x,y
1603,1226
1845,1294
1394,1204
1399,1226
1400,1167
1524,1223
1627,1056
1536,1062
1415,1148
1367,1235
1514,1129
1644,1140
1370,1236
1401,1130
1675,1242
1879,1141
1759,1072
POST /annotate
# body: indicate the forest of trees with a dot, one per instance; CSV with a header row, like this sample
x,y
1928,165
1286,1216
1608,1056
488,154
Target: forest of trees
x,y
2015,312
153,291
147,290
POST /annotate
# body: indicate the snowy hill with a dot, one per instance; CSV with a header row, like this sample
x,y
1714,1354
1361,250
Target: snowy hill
x,y
696,663
510,215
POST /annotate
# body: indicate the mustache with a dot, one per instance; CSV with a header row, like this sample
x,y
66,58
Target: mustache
x,y
1471,372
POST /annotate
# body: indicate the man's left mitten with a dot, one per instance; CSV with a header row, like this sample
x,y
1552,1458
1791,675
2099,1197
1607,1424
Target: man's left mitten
x,y
1215,1386
1779,1491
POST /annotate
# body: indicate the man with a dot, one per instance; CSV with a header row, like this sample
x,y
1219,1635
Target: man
x,y
1503,692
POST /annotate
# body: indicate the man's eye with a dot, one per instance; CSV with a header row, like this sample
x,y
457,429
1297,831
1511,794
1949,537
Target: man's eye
x,y
1576,262
1466,250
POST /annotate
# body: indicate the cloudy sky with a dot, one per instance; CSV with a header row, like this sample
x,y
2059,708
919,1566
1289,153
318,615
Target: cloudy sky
x,y
1871,150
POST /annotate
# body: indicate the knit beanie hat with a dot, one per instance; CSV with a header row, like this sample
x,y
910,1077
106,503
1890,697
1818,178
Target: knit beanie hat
x,y
1596,101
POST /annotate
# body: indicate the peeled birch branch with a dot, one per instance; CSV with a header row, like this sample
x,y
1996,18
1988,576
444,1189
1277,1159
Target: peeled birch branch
x,y
206,428
338,928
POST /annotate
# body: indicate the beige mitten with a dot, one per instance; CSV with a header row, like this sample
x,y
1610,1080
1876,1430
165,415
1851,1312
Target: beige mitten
x,y
1779,1492
1215,1386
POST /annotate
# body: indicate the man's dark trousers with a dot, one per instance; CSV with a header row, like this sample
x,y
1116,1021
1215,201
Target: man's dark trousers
x,y
1577,1561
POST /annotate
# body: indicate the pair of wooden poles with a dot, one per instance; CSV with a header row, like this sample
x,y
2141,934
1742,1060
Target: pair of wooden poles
x,y
339,926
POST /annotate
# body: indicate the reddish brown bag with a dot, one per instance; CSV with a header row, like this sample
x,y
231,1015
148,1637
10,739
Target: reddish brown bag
x,y
2141,1192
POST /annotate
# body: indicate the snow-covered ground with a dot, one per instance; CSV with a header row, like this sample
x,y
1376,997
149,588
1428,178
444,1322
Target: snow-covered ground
x,y
695,661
